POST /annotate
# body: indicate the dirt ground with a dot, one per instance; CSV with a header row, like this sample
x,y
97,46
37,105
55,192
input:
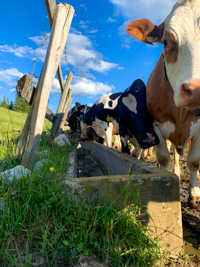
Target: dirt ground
x,y
191,217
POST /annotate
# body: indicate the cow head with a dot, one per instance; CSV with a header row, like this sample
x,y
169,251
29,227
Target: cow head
x,y
180,36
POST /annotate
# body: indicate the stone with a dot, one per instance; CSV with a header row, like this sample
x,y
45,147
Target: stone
x,y
62,140
39,164
15,173
44,153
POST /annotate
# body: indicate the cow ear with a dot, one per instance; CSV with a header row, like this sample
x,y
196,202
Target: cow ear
x,y
106,115
145,31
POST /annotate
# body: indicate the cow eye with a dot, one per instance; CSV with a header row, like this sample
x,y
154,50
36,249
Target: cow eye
x,y
165,43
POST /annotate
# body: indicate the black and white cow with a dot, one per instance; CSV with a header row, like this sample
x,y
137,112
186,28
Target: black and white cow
x,y
132,116
103,129
74,115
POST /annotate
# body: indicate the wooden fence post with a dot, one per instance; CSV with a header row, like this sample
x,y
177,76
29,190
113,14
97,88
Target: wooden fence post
x,y
61,108
67,105
61,25
51,8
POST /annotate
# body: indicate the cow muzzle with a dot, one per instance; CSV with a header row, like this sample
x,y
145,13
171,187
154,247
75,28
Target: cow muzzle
x,y
190,94
148,142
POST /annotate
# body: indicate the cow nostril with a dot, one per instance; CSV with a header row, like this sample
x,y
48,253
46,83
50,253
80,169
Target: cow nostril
x,y
186,91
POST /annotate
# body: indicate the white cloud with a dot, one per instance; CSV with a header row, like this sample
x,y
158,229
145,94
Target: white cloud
x,y
148,63
83,6
83,24
93,31
10,76
155,10
80,53
83,87
56,87
13,90
19,51
41,40
111,20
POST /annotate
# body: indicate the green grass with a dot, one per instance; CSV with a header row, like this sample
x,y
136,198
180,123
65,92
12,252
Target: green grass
x,y
11,125
39,215
12,122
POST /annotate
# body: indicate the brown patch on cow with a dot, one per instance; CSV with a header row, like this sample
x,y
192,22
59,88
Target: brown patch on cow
x,y
143,28
171,50
161,106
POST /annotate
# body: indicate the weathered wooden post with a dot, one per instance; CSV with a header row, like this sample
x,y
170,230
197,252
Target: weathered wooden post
x,y
60,28
66,110
51,8
61,108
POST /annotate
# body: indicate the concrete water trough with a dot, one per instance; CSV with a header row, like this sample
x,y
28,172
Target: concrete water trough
x,y
127,178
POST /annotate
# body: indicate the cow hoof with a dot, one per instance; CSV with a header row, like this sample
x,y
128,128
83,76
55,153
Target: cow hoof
x,y
194,202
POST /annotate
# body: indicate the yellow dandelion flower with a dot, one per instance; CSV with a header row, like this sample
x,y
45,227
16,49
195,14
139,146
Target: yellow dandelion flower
x,y
51,169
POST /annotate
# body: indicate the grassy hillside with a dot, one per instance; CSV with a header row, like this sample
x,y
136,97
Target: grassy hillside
x,y
11,123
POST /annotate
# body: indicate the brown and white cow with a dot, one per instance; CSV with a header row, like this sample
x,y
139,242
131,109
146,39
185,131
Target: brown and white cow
x,y
173,88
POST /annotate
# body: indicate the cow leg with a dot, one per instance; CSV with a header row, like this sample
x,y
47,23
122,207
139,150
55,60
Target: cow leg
x,y
117,142
124,140
193,165
137,151
108,135
177,170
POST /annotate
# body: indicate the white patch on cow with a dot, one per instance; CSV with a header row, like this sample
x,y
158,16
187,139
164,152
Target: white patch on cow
x,y
100,127
105,101
195,128
166,128
183,22
105,130
130,102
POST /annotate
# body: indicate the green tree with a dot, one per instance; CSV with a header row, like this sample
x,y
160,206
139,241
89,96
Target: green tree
x,y
20,105
4,104
11,105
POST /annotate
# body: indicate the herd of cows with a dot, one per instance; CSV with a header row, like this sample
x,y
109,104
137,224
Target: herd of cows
x,y
164,109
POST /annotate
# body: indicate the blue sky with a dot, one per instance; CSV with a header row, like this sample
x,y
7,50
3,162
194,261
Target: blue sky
x,y
99,52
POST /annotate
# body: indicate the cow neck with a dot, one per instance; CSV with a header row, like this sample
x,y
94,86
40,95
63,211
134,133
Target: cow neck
x,y
161,106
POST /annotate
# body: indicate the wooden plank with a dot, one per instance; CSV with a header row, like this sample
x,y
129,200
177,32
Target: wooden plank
x,y
26,90
60,78
51,8
61,107
60,29
69,99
